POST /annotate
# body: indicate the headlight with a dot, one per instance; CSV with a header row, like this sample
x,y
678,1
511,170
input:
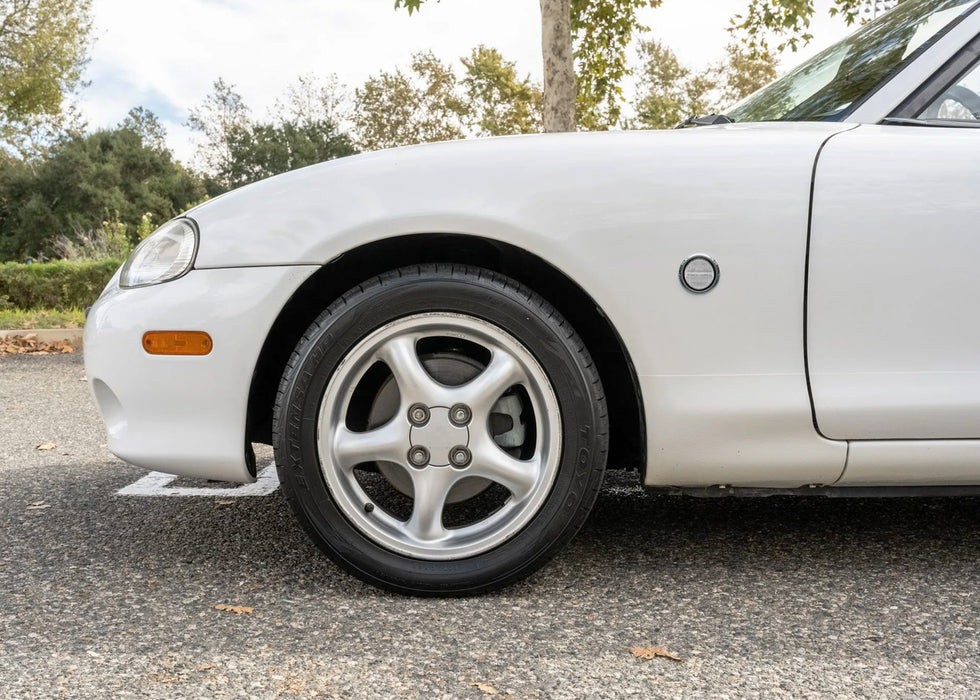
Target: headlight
x,y
166,254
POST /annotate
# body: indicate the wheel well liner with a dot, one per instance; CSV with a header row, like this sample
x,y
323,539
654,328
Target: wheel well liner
x,y
627,448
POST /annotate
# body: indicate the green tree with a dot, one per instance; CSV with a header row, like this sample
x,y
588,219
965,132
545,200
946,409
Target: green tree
x,y
43,45
312,99
667,91
236,150
398,109
110,175
267,149
788,21
600,32
743,72
221,119
498,101
145,124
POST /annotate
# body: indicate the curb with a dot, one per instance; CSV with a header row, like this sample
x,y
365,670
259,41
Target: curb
x,y
49,335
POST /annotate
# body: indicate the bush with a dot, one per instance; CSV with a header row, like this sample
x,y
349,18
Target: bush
x,y
107,242
55,285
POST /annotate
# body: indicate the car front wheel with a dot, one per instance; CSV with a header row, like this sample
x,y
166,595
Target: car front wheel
x,y
440,430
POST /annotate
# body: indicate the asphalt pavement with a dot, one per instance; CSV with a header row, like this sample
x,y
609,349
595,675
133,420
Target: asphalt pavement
x,y
110,595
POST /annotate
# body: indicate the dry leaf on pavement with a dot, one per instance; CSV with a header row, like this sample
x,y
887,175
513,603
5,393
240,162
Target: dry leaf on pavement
x,y
485,687
652,653
237,609
30,345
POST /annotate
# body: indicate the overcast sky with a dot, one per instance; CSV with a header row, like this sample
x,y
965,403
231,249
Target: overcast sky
x,y
165,55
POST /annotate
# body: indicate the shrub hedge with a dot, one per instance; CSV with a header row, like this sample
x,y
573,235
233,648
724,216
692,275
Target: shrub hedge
x,y
55,285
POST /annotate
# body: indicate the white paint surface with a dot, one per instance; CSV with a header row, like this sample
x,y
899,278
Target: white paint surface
x,y
894,352
158,484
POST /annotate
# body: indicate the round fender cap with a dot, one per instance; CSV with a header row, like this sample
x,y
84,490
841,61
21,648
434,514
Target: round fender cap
x,y
699,274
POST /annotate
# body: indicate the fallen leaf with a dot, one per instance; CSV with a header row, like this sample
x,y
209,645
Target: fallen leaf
x,y
237,609
45,446
485,687
30,345
652,653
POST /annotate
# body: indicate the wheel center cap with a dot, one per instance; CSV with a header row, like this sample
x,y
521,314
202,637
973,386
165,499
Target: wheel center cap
x,y
439,436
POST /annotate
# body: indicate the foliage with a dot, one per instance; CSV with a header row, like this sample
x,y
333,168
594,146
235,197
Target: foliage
x,y
56,285
786,18
108,175
498,102
26,319
221,119
42,52
397,109
145,124
744,72
267,149
311,99
602,31
32,137
669,92
410,5
107,242
430,102
237,150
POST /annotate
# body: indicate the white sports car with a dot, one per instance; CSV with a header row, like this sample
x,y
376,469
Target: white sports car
x,y
447,343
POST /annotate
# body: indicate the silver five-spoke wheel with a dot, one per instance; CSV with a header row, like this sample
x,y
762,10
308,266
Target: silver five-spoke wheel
x,y
441,436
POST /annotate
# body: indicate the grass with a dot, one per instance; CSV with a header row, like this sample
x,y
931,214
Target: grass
x,y
19,319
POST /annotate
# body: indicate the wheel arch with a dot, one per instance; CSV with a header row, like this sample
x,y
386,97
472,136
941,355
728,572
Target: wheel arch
x,y
627,447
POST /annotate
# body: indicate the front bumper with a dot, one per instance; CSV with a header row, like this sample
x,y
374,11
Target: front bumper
x,y
184,415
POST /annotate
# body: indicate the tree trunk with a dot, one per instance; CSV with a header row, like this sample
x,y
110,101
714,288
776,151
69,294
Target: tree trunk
x,y
559,67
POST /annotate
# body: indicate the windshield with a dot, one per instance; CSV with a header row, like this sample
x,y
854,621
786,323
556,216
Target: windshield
x,y
825,87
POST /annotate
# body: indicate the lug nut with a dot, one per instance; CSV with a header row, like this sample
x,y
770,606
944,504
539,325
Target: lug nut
x,y
418,456
460,457
418,414
460,414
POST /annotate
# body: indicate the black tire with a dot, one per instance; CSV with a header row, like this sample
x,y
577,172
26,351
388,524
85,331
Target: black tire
x,y
474,295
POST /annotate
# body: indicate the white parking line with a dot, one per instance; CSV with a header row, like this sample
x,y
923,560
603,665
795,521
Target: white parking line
x,y
158,484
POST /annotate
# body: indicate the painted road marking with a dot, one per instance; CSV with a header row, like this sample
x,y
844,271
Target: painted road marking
x,y
158,484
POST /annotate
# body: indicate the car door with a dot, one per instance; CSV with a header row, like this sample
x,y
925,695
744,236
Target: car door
x,y
892,324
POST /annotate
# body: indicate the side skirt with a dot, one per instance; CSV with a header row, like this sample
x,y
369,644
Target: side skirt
x,y
826,491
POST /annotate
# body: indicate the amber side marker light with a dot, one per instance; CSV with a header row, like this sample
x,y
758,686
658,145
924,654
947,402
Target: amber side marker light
x,y
177,342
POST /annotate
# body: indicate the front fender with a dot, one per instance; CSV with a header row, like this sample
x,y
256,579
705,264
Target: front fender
x,y
616,212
